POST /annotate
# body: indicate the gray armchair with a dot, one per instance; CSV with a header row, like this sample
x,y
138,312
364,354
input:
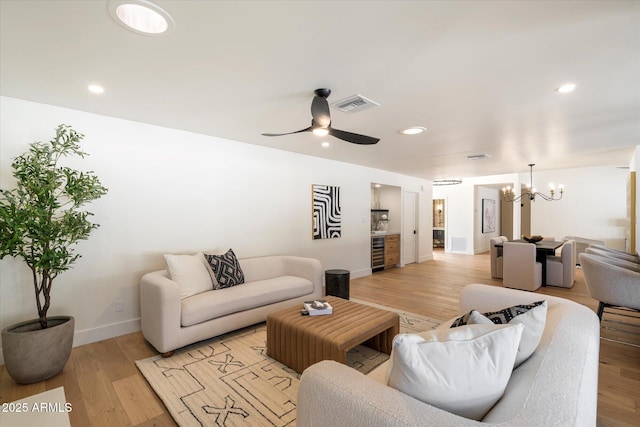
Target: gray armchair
x,y
612,285
613,253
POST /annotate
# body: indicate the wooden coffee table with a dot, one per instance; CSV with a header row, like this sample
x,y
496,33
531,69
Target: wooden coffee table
x,y
300,341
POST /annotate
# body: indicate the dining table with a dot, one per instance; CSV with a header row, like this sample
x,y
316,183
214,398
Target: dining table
x,y
544,248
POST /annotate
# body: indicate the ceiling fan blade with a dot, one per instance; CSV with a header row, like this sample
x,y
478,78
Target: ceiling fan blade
x,y
288,133
353,137
320,111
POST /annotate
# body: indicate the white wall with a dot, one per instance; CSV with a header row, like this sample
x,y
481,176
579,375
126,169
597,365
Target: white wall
x,y
458,211
593,206
172,191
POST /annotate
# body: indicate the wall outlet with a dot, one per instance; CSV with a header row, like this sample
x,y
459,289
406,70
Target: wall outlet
x,y
118,305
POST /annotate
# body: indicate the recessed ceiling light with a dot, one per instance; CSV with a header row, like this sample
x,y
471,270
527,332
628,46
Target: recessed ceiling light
x,y
325,144
566,88
96,89
414,130
141,16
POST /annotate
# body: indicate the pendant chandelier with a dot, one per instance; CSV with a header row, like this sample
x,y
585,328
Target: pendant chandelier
x,y
531,194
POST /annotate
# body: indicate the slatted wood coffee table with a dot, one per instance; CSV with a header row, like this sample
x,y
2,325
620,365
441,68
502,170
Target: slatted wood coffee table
x,y
300,341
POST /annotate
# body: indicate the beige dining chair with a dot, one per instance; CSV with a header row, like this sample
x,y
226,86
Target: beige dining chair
x,y
561,270
520,269
496,256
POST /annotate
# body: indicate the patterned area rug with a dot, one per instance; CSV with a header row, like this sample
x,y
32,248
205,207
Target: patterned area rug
x,y
230,381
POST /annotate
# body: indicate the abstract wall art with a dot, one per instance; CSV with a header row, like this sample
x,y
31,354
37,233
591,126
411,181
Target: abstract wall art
x,y
488,215
326,212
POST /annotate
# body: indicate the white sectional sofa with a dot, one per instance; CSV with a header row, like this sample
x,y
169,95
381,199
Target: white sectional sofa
x,y
556,386
271,283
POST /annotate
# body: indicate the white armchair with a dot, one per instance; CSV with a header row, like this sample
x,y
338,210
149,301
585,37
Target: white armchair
x,y
561,270
496,256
611,285
520,269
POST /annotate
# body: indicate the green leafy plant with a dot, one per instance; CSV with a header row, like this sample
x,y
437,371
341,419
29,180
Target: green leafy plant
x,y
43,217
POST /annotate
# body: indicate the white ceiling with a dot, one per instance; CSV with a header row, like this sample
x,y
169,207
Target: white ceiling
x,y
479,75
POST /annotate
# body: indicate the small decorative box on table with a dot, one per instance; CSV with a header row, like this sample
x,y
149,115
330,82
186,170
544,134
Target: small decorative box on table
x,y
300,341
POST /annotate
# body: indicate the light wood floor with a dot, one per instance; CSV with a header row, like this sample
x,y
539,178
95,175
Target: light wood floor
x,y
105,388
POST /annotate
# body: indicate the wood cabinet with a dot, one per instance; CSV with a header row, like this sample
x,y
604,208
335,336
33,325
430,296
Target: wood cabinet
x,y
391,250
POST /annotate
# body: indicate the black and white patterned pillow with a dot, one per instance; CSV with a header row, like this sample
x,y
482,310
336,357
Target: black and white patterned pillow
x,y
226,269
500,317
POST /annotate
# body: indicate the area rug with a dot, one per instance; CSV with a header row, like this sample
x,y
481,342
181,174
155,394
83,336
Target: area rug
x,y
230,381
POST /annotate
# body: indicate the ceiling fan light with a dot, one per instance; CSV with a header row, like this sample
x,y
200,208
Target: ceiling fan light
x,y
321,131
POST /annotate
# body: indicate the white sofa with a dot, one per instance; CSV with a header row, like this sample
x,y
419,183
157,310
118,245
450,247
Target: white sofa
x,y
271,283
556,386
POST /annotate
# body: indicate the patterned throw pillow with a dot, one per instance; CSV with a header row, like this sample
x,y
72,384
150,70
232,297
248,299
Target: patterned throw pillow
x,y
500,317
226,269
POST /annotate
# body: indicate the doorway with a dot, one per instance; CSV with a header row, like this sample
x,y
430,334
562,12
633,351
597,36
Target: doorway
x,y
409,228
439,223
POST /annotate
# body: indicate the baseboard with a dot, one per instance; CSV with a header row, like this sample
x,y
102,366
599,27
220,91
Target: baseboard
x,y
360,273
88,336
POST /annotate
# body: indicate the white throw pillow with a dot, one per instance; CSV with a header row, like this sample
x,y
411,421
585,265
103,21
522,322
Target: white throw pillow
x,y
462,370
190,272
533,321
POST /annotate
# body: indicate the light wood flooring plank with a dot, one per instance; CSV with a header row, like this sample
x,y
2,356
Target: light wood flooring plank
x,y
136,398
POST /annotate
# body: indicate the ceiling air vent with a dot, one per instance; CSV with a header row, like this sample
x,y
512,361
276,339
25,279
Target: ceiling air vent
x,y
354,104
478,156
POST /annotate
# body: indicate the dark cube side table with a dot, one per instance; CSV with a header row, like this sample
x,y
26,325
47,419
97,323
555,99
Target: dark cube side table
x,y
337,283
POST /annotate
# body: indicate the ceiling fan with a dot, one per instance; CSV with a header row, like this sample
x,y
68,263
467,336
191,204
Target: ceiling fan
x,y
321,122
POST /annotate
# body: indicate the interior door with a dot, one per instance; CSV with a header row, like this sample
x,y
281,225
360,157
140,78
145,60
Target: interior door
x,y
409,228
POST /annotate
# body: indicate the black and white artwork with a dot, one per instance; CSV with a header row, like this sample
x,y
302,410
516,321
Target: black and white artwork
x,y
326,212
488,215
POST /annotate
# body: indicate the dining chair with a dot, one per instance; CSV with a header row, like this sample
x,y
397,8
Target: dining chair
x,y
496,256
520,269
561,270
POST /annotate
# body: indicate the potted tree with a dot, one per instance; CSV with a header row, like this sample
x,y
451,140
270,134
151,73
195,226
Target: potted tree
x,y
41,220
